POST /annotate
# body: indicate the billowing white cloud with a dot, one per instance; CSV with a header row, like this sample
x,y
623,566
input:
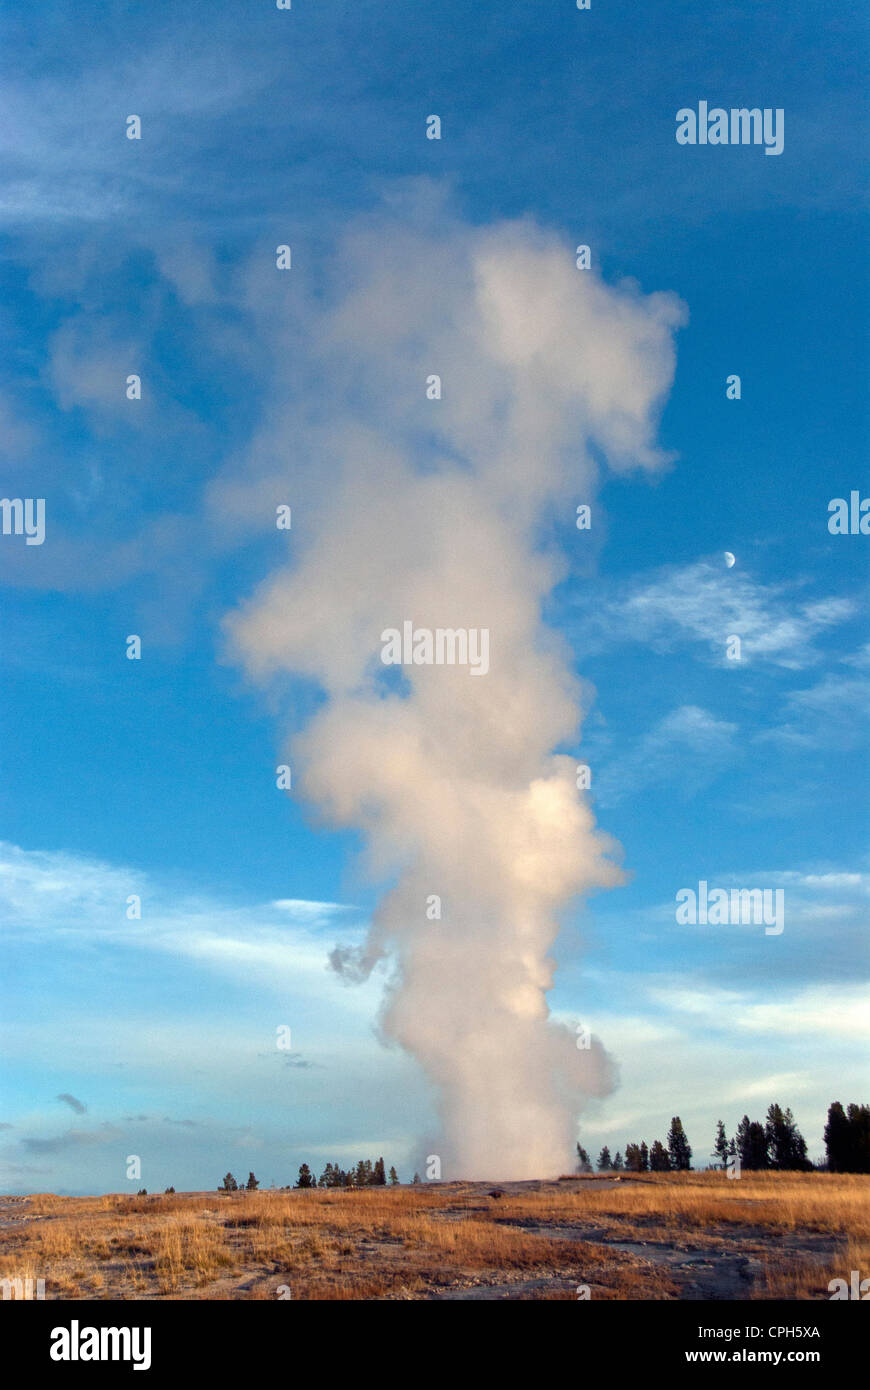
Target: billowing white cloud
x,y
427,510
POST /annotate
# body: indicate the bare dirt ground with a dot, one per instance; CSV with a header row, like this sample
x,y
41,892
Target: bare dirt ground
x,y
689,1236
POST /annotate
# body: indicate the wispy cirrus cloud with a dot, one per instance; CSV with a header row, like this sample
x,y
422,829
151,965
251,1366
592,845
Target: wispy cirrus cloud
x,y
824,942
52,895
704,604
827,1012
62,132
685,749
833,712
190,1003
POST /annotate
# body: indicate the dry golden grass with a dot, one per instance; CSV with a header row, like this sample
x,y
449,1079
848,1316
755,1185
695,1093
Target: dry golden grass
x,y
187,1248
824,1202
787,1277
536,1241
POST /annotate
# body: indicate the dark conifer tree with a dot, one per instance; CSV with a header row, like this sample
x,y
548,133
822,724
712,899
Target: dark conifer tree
x,y
786,1146
632,1158
720,1146
659,1159
758,1155
583,1164
858,1117
837,1139
679,1150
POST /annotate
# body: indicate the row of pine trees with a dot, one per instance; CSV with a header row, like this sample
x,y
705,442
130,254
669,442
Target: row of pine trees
x,y
775,1144
365,1174
641,1158
847,1138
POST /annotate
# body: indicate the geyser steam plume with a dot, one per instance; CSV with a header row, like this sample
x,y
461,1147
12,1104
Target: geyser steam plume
x,y
431,511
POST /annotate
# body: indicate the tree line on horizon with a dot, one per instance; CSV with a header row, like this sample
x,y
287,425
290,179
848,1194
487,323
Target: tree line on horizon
x,y
364,1174
777,1145
640,1158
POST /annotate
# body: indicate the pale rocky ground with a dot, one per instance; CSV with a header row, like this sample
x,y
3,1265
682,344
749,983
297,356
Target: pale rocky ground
x,y
627,1255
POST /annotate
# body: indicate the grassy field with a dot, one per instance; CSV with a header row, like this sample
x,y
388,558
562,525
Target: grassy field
x,y
650,1236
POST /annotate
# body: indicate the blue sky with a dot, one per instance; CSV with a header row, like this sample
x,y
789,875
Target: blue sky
x,y
156,777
